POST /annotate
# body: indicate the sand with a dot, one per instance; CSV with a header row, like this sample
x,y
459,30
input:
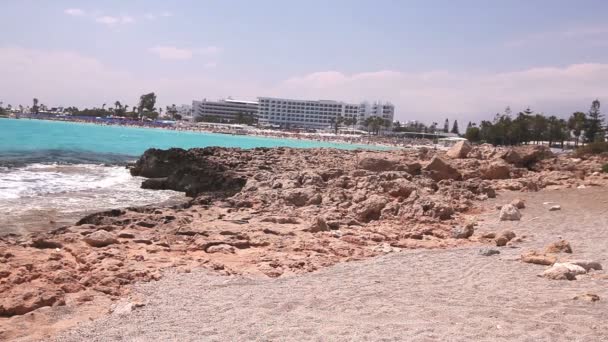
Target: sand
x,y
419,295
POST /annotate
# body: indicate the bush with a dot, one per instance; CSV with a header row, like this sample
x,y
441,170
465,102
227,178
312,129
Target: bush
x,y
592,148
605,168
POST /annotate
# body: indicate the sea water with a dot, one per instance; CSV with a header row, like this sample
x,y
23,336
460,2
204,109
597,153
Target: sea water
x,y
53,172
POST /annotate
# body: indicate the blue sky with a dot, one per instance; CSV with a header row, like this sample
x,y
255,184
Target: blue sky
x,y
433,59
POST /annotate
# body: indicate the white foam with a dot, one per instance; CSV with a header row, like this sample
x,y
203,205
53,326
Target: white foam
x,y
72,188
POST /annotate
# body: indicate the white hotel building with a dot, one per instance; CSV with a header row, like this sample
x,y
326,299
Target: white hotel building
x,y
288,113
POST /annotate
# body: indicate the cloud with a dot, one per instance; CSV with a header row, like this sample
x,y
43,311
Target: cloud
x,y
77,12
115,20
426,96
172,52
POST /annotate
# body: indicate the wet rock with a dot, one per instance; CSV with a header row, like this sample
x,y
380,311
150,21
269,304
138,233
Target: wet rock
x,y
561,246
460,150
100,238
509,212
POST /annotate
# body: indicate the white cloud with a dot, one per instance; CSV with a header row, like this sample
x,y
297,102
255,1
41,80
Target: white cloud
x,y
77,12
154,16
426,96
150,16
210,65
166,14
171,52
115,20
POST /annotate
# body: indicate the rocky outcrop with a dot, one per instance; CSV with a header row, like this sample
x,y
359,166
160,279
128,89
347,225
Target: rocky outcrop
x,y
193,171
528,155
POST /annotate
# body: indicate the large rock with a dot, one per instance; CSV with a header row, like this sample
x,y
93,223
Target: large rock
x,y
301,197
191,171
400,187
587,264
496,170
558,272
504,237
463,232
527,155
100,238
371,208
23,299
438,170
533,257
460,150
508,212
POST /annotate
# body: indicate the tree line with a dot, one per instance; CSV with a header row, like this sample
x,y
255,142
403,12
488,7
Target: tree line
x,y
529,127
145,109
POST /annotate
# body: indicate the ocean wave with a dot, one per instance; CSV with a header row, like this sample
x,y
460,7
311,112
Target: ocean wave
x,y
19,158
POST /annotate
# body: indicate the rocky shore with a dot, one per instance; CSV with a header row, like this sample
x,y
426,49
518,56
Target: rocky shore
x,y
274,213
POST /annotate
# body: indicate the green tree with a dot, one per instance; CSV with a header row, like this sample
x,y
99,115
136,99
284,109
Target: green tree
x,y
576,124
455,129
446,126
146,103
35,108
593,129
473,134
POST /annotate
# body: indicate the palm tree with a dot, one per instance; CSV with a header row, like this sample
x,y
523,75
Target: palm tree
x,y
35,108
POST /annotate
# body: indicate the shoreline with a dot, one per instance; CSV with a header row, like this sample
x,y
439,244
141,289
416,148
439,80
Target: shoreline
x,y
363,141
271,213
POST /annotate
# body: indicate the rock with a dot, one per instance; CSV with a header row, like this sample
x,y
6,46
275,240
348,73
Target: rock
x,y
319,225
221,248
460,150
533,257
438,170
377,164
504,237
122,308
488,251
100,238
559,272
518,203
489,235
527,155
574,269
588,297
193,171
496,170
561,246
302,197
371,208
24,299
463,232
399,187
587,264
555,208
509,213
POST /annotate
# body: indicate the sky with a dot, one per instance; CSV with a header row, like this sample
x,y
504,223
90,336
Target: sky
x,y
432,59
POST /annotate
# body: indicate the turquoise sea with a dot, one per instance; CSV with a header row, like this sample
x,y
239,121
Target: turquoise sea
x,y
54,171
38,135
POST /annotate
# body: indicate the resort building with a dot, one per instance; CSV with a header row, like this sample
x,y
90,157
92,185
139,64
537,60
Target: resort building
x,y
225,110
288,113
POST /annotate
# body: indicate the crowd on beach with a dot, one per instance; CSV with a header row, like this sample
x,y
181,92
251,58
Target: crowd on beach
x,y
237,129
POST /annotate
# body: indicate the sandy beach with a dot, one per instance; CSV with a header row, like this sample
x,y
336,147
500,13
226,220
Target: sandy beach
x,y
417,295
